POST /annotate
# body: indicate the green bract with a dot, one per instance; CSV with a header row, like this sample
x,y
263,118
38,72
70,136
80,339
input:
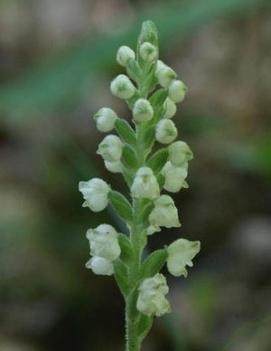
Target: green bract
x,y
151,90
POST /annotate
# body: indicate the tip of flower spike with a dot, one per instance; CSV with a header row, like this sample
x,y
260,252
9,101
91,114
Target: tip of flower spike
x,y
148,33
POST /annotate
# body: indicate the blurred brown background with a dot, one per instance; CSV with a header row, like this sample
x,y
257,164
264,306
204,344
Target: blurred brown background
x,y
57,58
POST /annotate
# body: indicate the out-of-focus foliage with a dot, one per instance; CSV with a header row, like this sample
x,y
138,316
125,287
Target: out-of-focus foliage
x,y
63,80
56,58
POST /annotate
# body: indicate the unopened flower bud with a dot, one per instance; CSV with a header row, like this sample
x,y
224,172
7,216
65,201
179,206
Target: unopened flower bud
x,y
145,184
151,298
103,242
179,153
125,54
174,177
165,131
100,266
113,167
142,110
180,254
122,87
164,214
170,108
165,76
160,64
177,91
105,119
110,148
95,193
148,52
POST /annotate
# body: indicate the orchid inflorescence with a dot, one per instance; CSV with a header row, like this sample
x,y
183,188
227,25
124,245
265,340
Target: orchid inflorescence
x,y
146,173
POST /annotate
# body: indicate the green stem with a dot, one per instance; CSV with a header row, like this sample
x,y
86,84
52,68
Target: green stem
x,y
132,340
138,240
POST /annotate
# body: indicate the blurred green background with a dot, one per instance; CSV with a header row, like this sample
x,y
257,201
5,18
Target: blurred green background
x,y
57,58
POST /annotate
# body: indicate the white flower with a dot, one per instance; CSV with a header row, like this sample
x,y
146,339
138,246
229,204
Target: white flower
x,y
148,52
170,108
103,242
142,110
164,214
100,266
165,75
145,184
160,64
165,131
180,254
105,119
110,148
122,87
177,91
125,54
113,167
151,299
95,192
179,153
174,177
152,229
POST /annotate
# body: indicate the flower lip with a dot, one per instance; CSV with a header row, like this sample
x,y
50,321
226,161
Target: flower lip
x,y
180,254
95,193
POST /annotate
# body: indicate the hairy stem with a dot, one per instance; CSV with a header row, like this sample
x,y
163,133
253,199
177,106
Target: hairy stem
x,y
132,340
138,240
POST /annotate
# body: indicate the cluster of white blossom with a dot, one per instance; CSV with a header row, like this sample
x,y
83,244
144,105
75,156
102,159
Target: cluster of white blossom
x,y
104,244
104,249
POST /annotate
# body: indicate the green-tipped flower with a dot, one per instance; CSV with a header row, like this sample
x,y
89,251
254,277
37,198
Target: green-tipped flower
x,y
177,91
95,192
174,177
145,184
160,64
170,108
122,87
165,131
151,298
110,148
142,110
164,214
105,119
125,54
179,153
100,266
165,75
103,242
148,52
180,254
